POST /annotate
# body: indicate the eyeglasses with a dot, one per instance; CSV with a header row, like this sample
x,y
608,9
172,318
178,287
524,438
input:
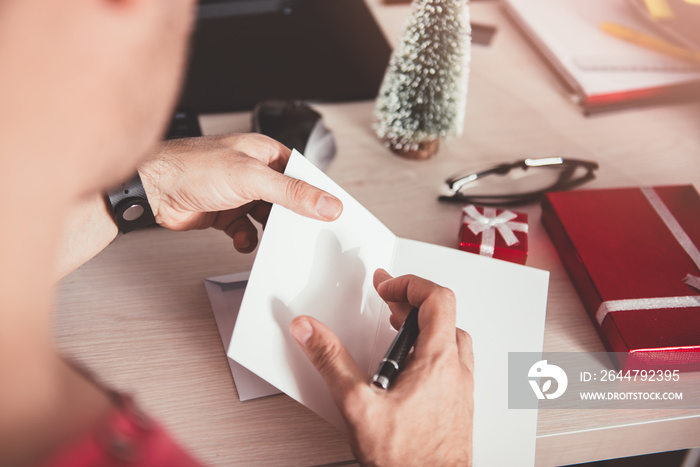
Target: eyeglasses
x,y
521,182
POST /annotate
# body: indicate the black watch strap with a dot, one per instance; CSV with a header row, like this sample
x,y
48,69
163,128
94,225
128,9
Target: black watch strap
x,y
130,206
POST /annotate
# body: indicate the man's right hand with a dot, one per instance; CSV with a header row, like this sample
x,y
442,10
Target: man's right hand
x,y
425,418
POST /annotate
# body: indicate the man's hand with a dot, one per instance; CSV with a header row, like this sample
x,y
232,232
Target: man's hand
x,y
425,418
223,182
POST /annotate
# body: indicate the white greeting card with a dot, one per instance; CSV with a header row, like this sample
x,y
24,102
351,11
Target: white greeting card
x,y
324,270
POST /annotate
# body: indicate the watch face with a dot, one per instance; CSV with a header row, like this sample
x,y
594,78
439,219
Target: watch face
x,y
133,212
130,206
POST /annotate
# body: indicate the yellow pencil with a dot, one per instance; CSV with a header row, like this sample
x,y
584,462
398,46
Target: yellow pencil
x,y
650,42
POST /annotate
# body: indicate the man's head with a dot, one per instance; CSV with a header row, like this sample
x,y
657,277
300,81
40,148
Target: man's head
x,y
89,84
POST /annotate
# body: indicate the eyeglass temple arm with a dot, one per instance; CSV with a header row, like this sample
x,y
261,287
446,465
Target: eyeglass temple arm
x,y
458,181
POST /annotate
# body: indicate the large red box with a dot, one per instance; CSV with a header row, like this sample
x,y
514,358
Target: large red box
x,y
632,254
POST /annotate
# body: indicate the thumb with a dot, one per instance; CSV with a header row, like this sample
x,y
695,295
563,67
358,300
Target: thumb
x,y
294,194
329,356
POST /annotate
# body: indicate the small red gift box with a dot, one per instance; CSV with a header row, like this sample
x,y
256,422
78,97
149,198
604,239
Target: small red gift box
x,y
633,256
498,233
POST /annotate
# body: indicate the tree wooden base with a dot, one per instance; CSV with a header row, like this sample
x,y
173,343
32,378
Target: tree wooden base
x,y
424,150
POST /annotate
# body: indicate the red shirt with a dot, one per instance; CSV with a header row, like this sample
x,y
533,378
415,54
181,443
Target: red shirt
x,y
127,437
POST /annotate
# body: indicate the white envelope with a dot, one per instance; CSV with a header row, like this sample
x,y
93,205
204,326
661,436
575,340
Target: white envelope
x,y
225,296
309,267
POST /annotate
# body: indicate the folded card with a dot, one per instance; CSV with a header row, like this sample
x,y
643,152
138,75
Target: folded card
x,y
324,270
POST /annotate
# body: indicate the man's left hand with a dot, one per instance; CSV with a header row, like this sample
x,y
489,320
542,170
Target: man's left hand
x,y
224,182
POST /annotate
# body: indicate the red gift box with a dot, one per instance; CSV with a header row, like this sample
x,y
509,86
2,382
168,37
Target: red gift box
x,y
633,256
498,233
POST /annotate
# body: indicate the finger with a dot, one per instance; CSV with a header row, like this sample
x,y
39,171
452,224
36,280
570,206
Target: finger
x,y
236,224
330,357
380,275
271,186
408,288
399,313
397,319
465,349
436,322
261,212
243,233
246,241
436,318
223,219
399,310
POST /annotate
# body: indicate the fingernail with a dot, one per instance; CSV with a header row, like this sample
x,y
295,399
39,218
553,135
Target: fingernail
x,y
328,207
301,330
242,240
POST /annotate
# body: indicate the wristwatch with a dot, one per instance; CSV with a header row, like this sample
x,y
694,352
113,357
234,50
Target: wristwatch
x,y
130,206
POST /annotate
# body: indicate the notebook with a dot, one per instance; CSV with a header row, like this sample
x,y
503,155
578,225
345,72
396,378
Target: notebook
x,y
602,71
325,270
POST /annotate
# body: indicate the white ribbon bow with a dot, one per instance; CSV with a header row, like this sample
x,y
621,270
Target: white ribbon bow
x,y
693,281
489,223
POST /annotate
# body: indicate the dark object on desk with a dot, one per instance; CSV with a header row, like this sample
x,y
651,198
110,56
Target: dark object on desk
x,y
518,183
297,126
482,34
394,359
246,51
185,124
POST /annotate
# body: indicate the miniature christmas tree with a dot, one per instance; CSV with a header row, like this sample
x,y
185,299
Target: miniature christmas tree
x,y
423,96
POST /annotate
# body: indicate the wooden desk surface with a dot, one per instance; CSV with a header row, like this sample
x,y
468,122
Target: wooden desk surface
x,y
138,315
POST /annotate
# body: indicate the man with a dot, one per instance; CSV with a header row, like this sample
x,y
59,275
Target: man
x,y
86,90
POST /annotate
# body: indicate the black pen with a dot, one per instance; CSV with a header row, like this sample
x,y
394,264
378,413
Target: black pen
x,y
392,362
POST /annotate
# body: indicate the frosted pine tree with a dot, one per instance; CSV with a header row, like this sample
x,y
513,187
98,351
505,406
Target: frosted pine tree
x,y
424,93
